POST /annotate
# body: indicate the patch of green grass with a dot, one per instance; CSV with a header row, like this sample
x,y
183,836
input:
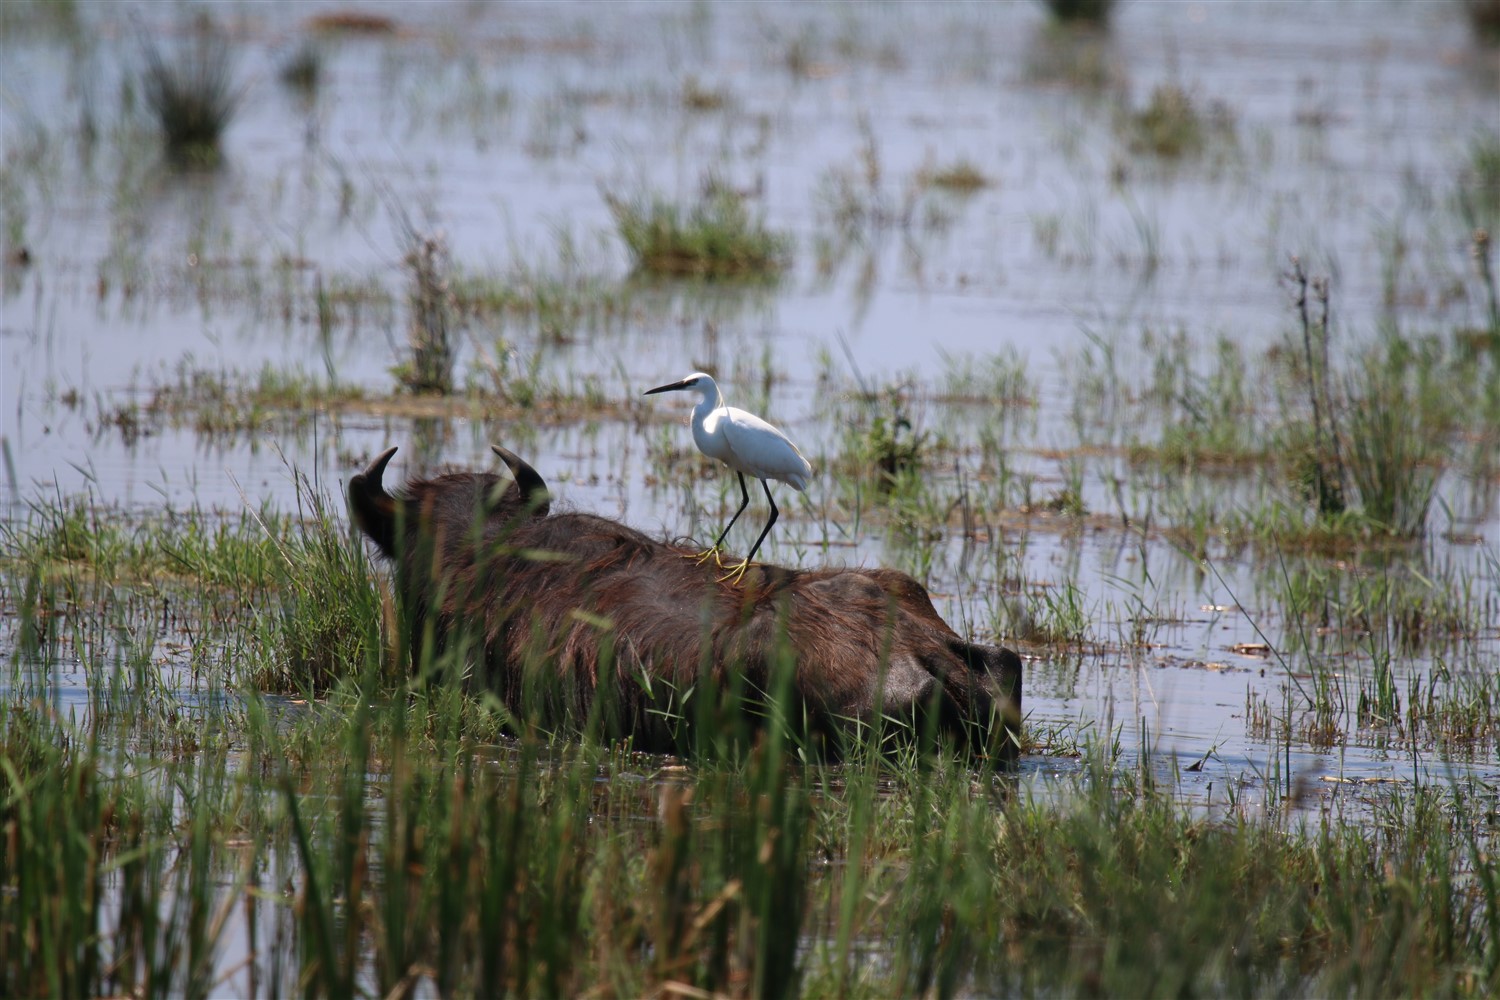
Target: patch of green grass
x,y
317,612
1379,442
225,404
714,239
1458,708
78,541
108,889
1329,451
990,402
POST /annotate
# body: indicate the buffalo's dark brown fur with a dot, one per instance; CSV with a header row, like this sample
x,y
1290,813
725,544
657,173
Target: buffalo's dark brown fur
x,y
609,611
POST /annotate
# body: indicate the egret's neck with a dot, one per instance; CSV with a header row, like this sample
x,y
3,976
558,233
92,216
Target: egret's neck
x,y
709,400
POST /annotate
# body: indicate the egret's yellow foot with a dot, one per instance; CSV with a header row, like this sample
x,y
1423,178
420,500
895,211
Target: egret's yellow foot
x,y
736,572
703,556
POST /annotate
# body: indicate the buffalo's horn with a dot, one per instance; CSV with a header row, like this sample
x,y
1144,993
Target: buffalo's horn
x,y
530,482
373,508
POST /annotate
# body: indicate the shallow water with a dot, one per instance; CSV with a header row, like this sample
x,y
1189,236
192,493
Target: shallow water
x,y
504,125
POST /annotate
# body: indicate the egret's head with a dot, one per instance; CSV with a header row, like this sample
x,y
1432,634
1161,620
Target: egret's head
x,y
699,382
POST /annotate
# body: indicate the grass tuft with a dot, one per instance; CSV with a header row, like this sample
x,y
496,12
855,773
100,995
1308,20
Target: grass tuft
x,y
1393,453
303,69
1484,18
958,177
1384,434
352,22
431,331
1095,12
326,617
193,98
885,440
1172,126
697,97
714,239
1478,187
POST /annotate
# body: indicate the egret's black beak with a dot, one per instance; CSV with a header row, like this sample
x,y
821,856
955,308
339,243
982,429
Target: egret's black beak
x,y
679,384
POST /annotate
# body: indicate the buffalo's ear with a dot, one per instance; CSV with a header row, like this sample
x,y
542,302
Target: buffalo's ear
x,y
533,488
374,509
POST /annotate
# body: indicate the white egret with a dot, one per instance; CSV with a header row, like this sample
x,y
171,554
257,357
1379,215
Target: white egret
x,y
745,443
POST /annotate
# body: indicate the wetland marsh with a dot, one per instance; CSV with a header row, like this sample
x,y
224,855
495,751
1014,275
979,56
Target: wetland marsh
x,y
1166,353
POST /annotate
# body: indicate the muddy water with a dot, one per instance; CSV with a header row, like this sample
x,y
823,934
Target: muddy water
x,y
503,126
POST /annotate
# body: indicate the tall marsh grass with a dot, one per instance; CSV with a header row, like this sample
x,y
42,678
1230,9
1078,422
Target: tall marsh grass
x,y
418,864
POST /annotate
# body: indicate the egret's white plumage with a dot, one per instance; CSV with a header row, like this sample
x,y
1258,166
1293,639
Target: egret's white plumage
x,y
745,443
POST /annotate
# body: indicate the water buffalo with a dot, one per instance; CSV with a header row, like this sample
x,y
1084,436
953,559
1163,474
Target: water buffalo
x,y
587,617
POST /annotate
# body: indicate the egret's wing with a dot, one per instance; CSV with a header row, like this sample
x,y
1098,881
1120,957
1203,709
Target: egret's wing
x,y
763,450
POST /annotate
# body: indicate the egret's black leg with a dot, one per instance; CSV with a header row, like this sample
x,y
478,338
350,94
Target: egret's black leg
x,y
767,529
744,502
738,569
713,550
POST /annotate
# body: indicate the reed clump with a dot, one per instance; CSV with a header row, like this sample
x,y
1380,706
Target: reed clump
x,y
1484,18
716,238
962,177
1380,439
192,95
1172,126
1094,12
431,326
